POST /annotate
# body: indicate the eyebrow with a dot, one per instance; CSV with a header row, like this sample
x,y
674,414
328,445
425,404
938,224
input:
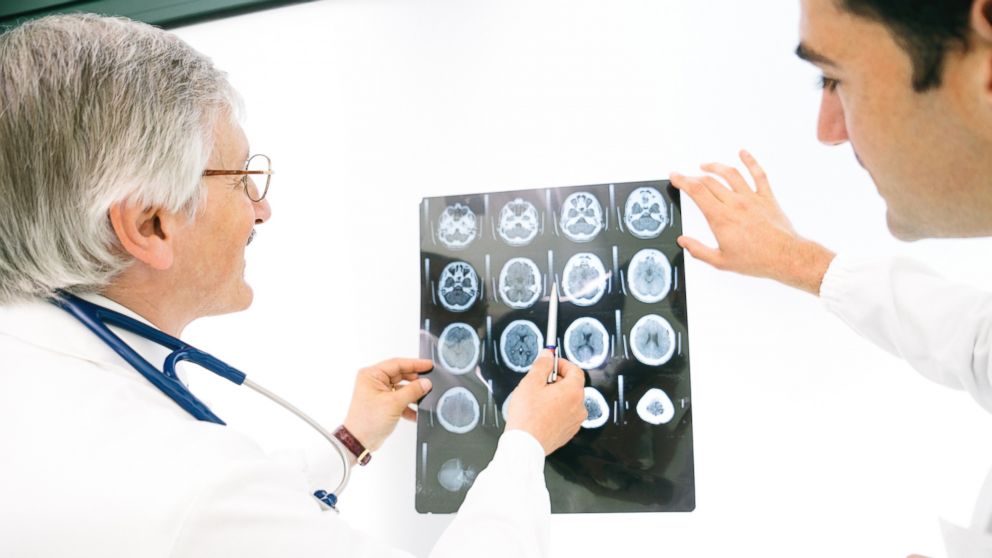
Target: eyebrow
x,y
813,57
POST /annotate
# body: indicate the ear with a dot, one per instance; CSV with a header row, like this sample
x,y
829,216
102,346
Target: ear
x,y
145,233
981,20
981,41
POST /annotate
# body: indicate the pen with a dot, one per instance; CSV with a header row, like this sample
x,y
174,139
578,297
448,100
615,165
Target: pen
x,y
552,334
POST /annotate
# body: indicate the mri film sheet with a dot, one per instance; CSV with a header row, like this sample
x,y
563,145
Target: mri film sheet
x,y
487,265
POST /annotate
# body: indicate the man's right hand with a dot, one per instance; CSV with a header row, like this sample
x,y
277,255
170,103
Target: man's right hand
x,y
552,413
754,236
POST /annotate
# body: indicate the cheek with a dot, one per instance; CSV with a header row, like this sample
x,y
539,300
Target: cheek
x,y
232,230
862,127
879,121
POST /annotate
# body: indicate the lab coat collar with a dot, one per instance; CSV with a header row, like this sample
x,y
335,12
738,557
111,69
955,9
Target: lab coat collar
x,y
44,325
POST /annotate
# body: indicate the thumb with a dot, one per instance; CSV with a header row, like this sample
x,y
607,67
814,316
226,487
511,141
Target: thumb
x,y
700,251
413,391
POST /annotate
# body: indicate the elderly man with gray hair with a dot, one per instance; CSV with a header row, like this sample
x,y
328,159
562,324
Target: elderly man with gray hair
x,y
125,182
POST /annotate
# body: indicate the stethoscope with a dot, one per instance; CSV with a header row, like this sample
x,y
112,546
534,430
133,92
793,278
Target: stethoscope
x,y
96,318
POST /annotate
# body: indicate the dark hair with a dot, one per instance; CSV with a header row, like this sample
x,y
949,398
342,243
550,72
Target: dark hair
x,y
925,29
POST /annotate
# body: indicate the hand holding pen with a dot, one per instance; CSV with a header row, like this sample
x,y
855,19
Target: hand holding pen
x,y
551,413
550,410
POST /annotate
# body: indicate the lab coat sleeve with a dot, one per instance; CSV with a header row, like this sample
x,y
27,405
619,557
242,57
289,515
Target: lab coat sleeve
x,y
251,506
320,464
507,512
943,329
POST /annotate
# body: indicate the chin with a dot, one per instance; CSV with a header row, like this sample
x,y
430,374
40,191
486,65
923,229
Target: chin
x,y
903,230
245,297
237,299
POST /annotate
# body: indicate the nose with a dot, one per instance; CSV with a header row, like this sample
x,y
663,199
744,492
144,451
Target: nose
x,y
263,211
831,129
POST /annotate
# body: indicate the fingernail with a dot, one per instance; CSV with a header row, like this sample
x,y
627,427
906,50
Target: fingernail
x,y
425,384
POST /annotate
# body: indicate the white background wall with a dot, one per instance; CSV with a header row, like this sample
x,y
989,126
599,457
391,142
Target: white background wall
x,y
809,441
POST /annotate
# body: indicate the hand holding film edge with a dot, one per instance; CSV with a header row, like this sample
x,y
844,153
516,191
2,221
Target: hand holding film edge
x,y
551,336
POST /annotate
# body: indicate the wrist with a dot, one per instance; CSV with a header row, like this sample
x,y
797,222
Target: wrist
x,y
355,450
809,263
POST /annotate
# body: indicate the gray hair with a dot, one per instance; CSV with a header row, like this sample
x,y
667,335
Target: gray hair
x,y
94,111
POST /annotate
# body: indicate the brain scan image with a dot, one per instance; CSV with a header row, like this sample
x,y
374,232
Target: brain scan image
x,y
597,409
458,286
584,279
457,227
454,476
520,283
505,408
458,348
646,213
520,344
458,411
518,222
586,343
649,276
655,407
581,217
652,340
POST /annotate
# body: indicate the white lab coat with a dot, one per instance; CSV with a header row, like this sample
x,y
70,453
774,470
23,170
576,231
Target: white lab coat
x,y
98,462
943,329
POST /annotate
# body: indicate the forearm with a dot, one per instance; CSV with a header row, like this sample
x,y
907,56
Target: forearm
x,y
943,329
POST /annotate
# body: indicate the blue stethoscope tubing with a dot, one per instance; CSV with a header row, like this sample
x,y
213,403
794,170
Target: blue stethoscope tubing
x,y
96,318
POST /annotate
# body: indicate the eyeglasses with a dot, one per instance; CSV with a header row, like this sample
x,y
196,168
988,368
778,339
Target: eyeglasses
x,y
257,164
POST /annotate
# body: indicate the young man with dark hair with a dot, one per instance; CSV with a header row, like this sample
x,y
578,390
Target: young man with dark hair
x,y
908,83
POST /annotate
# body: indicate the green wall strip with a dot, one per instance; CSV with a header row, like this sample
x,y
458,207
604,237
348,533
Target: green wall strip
x,y
165,13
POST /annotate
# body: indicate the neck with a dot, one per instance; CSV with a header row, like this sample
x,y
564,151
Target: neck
x,y
163,306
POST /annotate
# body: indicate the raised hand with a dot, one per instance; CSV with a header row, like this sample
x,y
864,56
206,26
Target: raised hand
x,y
754,236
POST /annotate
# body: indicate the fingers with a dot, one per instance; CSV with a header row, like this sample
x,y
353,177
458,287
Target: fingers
x,y
541,367
572,378
410,414
570,372
700,194
757,173
719,192
411,393
405,365
701,251
539,371
731,175
403,368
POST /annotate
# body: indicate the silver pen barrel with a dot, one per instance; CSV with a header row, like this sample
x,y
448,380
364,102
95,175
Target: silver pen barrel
x,y
551,339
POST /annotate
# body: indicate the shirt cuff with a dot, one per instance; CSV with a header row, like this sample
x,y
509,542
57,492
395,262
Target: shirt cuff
x,y
836,280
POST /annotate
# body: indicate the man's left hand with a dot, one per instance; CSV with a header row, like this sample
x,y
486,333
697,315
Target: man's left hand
x,y
754,236
383,393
